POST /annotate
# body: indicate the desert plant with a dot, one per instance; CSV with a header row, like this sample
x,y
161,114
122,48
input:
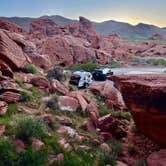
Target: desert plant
x,y
52,103
122,115
89,66
30,68
26,95
8,156
31,158
56,73
12,108
104,110
19,82
116,148
106,159
27,127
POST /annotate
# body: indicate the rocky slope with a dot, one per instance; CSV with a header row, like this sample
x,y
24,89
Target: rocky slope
x,y
46,121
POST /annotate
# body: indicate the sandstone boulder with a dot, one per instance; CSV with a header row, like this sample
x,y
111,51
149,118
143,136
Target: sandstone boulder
x,y
57,87
110,93
10,97
10,52
68,103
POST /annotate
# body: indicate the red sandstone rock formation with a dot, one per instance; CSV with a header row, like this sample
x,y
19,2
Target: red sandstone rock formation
x,y
145,97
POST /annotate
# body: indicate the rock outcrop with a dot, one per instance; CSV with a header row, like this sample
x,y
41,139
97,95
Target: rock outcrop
x,y
4,24
145,97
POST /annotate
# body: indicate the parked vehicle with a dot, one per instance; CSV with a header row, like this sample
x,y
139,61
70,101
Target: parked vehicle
x,y
100,74
81,79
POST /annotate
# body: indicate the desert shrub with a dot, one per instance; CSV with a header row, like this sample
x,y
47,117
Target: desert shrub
x,y
116,148
19,82
8,156
122,115
52,103
27,127
106,159
30,158
104,110
114,64
30,68
140,163
56,73
26,95
12,108
89,66
157,62
132,149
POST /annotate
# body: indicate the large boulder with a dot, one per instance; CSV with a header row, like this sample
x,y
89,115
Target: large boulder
x,y
10,52
107,90
67,103
145,97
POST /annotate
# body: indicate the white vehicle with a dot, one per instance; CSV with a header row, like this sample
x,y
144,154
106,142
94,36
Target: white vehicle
x,y
81,78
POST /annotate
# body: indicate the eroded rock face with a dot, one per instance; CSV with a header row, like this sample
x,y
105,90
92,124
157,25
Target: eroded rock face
x,y
145,97
10,52
11,27
157,158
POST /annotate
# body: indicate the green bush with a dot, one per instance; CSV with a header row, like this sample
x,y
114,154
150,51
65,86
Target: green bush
x,y
116,148
12,108
122,115
103,110
30,158
26,95
52,103
89,66
56,73
157,62
19,82
8,156
107,159
27,127
30,68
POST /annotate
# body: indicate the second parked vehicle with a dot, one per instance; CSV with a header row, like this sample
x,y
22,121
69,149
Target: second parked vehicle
x,y
100,74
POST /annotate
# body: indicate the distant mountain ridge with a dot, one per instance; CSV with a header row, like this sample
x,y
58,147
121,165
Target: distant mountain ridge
x,y
125,30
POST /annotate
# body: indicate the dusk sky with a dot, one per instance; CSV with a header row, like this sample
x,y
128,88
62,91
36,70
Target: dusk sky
x,y
131,11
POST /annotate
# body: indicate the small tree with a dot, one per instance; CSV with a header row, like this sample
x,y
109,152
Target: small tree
x,y
56,73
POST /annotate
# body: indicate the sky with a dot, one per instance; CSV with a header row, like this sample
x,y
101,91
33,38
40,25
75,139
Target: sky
x,y
131,11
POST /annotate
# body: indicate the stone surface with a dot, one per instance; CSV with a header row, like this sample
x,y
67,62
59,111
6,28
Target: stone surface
x,y
3,108
68,103
20,147
58,87
10,52
110,93
41,82
37,144
145,97
157,158
10,97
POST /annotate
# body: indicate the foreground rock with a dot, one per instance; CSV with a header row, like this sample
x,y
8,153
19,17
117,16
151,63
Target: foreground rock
x,y
145,97
113,97
157,158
